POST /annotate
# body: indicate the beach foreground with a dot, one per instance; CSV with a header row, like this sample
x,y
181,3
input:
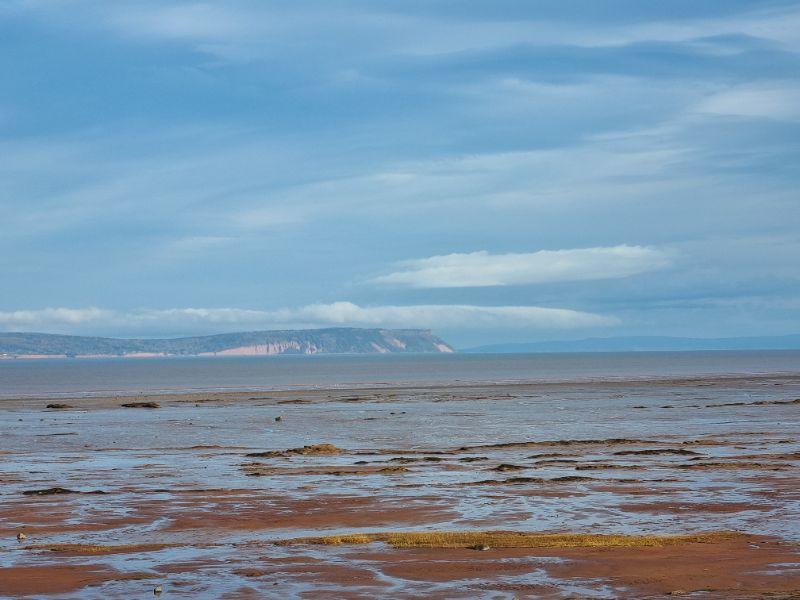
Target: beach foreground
x,y
616,489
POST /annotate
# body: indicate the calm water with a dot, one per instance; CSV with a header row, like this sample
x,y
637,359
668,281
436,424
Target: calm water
x,y
46,378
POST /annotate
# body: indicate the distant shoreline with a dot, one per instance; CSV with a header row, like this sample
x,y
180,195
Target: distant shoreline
x,y
462,352
643,344
341,340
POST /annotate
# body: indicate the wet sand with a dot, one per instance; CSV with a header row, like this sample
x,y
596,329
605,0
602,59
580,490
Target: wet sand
x,y
206,494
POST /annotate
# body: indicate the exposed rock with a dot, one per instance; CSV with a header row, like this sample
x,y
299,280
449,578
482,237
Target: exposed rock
x,y
545,443
259,470
656,451
49,491
408,459
313,450
710,466
507,467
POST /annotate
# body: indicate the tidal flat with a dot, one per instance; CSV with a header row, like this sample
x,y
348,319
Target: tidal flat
x,y
631,488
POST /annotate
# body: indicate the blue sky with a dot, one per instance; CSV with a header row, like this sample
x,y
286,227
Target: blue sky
x,y
505,170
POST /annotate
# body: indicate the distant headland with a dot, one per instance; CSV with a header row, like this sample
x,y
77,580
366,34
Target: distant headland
x,y
340,340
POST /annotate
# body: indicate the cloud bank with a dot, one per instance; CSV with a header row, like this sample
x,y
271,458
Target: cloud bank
x,y
482,269
336,314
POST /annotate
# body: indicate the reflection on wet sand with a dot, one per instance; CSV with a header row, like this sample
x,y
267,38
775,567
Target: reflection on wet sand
x,y
607,489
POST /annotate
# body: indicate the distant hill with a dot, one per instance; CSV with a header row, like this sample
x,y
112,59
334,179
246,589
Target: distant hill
x,y
250,343
645,344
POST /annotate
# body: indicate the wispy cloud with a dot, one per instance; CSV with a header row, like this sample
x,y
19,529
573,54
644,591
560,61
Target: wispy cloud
x,y
775,100
445,315
185,21
58,318
192,247
435,316
482,269
247,29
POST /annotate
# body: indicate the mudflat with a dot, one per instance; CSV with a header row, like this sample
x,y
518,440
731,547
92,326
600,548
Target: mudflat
x,y
603,489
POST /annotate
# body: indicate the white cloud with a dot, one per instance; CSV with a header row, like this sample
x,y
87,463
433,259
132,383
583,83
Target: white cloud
x,y
481,269
247,30
445,316
771,101
192,21
191,247
269,217
53,318
434,316
437,36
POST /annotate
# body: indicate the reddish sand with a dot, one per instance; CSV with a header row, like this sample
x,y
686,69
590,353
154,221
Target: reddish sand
x,y
244,513
58,579
739,566
732,568
209,511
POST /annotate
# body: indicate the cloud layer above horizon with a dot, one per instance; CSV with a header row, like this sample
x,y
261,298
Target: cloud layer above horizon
x,y
336,314
481,269
496,171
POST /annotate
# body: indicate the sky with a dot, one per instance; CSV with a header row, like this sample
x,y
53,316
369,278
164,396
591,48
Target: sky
x,y
513,170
